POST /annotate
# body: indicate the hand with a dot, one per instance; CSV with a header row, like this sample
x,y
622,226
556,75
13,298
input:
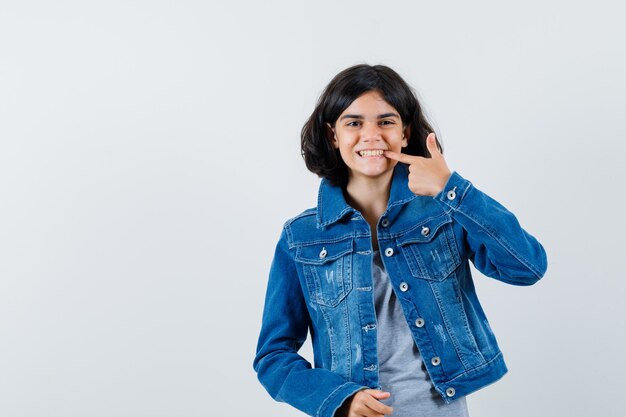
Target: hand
x,y
365,403
427,176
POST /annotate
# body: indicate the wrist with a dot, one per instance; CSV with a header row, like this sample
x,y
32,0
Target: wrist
x,y
442,183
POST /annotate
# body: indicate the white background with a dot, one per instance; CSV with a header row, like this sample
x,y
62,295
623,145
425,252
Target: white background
x,y
149,154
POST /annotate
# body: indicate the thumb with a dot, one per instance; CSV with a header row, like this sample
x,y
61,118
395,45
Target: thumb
x,y
378,394
431,145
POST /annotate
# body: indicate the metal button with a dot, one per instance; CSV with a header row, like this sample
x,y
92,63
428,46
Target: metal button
x,y
384,223
425,231
420,322
435,361
388,252
452,194
323,253
450,392
404,286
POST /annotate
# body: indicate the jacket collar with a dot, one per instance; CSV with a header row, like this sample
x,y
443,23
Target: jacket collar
x,y
332,205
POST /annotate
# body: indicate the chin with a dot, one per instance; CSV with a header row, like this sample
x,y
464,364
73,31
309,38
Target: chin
x,y
375,173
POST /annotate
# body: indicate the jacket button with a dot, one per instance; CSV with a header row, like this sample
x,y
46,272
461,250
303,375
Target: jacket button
x,y
425,231
419,322
323,253
388,252
435,361
450,392
404,286
385,223
451,194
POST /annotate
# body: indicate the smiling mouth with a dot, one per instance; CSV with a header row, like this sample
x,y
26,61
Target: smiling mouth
x,y
371,152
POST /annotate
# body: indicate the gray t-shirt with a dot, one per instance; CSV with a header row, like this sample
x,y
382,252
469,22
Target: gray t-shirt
x,y
401,370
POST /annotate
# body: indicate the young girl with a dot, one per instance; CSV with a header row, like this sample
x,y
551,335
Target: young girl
x,y
378,272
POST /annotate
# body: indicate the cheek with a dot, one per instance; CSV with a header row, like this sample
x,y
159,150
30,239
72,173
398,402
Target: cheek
x,y
346,153
398,145
346,144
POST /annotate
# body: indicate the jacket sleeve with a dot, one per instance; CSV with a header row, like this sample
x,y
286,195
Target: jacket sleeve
x,y
498,246
286,375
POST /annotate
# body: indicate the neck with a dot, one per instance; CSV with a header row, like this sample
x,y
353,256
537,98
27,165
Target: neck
x,y
369,196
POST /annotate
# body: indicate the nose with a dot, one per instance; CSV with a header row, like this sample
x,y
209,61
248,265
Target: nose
x,y
371,132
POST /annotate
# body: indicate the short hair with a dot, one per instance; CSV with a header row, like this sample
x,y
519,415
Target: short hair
x,y
317,149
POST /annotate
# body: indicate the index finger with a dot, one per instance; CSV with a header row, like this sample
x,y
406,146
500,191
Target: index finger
x,y
400,157
375,405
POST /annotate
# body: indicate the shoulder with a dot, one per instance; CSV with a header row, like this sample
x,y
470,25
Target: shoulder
x,y
309,214
299,225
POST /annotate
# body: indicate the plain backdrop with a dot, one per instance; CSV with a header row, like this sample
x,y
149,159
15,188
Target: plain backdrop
x,y
149,155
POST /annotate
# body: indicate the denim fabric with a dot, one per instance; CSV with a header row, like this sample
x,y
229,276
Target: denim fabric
x,y
321,281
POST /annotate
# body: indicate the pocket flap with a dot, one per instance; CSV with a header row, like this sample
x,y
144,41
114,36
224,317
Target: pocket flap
x,y
425,231
320,253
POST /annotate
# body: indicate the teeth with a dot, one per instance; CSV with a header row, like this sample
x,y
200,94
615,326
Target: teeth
x,y
377,152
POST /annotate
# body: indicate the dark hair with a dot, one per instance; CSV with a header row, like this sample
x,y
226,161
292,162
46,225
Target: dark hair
x,y
318,152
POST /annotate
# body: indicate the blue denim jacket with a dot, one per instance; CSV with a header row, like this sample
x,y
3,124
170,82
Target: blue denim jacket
x,y
321,281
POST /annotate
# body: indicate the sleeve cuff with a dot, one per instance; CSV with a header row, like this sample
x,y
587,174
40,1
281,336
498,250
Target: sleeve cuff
x,y
330,406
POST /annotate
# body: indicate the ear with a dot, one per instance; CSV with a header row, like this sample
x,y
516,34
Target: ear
x,y
330,133
406,136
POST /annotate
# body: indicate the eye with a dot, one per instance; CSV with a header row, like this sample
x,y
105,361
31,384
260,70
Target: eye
x,y
353,123
387,122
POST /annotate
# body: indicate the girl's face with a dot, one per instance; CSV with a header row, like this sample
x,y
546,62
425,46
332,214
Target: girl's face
x,y
364,130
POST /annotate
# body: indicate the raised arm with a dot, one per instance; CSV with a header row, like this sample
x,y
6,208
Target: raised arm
x,y
498,245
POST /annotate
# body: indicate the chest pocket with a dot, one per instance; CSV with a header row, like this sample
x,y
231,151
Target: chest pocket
x,y
431,251
328,270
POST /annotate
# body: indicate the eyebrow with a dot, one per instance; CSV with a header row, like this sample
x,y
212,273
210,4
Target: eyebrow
x,y
358,116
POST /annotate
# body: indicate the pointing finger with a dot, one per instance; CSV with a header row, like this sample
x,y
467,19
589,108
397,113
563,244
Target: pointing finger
x,y
400,157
